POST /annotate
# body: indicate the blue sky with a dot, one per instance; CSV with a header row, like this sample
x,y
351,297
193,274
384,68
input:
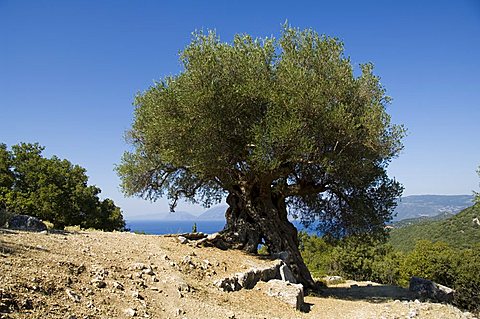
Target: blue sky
x,y
69,71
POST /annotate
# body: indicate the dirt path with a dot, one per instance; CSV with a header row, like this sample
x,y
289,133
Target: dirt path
x,y
122,275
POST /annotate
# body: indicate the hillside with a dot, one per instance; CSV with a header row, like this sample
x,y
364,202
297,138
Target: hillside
x,y
422,219
120,275
415,206
461,230
214,213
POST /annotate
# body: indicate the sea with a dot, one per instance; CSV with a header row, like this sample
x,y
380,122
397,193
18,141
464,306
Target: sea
x,y
162,227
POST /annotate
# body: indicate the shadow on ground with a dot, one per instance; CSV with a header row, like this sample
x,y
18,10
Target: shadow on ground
x,y
368,293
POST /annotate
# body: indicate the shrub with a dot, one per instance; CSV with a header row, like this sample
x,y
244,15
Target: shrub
x,y
316,253
467,284
434,261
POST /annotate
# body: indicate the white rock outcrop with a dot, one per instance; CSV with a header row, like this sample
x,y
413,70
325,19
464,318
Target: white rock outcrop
x,y
287,292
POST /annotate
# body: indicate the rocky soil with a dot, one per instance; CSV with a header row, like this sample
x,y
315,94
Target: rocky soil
x,y
124,275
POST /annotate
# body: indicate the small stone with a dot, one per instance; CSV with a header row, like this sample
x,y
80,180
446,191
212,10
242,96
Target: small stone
x,y
412,313
182,286
98,283
138,266
179,312
148,271
156,289
131,312
182,240
136,294
118,285
73,295
187,260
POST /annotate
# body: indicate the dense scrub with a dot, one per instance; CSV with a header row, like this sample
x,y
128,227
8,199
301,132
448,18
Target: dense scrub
x,y
369,259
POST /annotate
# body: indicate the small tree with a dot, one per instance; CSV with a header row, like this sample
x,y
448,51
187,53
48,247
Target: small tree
x,y
270,124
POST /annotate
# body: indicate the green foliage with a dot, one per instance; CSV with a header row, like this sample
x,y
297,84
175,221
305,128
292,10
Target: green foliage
x,y
194,228
434,261
285,116
316,253
467,284
459,231
449,266
52,189
359,258
366,258
263,250
4,216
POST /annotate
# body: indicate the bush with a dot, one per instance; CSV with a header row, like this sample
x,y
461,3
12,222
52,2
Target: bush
x,y
467,284
4,217
366,258
316,253
434,261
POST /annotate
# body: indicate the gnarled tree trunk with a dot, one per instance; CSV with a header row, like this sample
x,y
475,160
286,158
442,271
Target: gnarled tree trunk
x,y
260,217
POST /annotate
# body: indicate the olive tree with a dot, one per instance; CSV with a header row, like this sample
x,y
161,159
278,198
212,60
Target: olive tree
x,y
273,125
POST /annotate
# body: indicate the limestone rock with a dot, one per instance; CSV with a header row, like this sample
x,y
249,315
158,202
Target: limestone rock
x,y
249,279
182,240
25,222
428,289
228,284
287,292
138,266
130,312
286,274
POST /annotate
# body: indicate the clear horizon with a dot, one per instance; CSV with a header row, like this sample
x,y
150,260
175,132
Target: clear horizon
x,y
70,71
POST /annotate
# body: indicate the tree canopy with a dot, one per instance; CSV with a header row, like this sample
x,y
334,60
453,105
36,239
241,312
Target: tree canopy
x,y
52,189
272,123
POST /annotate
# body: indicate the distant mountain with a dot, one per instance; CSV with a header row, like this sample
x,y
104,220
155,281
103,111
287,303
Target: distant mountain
x,y
214,213
461,230
178,216
431,205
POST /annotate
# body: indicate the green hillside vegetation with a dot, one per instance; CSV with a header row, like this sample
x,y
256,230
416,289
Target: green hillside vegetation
x,y
459,231
365,258
422,219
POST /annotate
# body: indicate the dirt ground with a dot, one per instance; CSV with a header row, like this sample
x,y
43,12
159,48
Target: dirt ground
x,y
122,275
